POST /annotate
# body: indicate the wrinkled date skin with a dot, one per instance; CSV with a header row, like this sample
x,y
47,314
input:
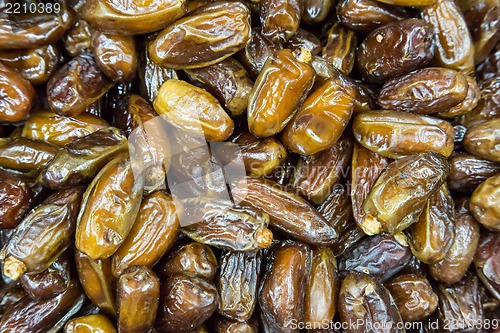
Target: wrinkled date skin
x,y
109,209
193,259
366,166
116,55
228,81
16,199
95,323
193,109
484,203
238,282
35,65
281,294
280,19
25,155
138,294
153,233
280,89
315,178
29,315
304,39
394,203
76,85
444,88
363,299
410,3
321,119
78,38
33,30
432,235
185,303
397,134
468,104
80,160
487,261
17,95
381,256
225,325
51,282
413,295
469,171
320,303
454,47
131,17
185,44
487,106
221,224
59,130
340,48
288,211
97,281
483,140
461,253
396,49
43,235
367,15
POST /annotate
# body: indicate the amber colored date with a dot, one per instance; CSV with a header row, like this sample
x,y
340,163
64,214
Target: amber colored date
x,y
17,95
484,203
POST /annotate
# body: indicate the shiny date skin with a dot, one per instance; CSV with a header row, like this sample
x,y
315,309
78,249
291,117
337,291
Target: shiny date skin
x,y
91,323
17,95
280,19
486,262
469,171
484,203
469,103
483,140
281,294
396,49
25,155
16,199
78,38
304,39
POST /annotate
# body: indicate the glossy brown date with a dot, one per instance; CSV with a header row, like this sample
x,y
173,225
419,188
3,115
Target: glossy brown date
x,y
115,55
280,19
154,231
282,290
227,81
340,48
80,160
109,209
321,119
185,303
487,107
193,110
454,47
413,296
410,3
238,282
316,11
367,15
43,235
304,39
204,37
97,281
468,104
469,171
16,199
78,38
484,203
483,140
94,323
132,18
17,95
138,293
486,262
458,259
25,155
279,90
288,211
367,302
381,256
225,325
76,85
394,203
59,130
432,235
221,224
444,89
314,178
35,65
193,259
395,49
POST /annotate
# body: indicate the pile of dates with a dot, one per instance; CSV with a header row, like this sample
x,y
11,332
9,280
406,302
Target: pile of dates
x,y
250,166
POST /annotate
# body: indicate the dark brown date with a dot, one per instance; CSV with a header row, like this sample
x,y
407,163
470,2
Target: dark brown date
x,y
395,49
469,171
483,140
280,19
316,11
238,283
444,89
16,199
340,48
486,262
381,256
17,95
185,303
76,85
204,37
484,203
304,39
365,303
282,290
255,53
468,104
